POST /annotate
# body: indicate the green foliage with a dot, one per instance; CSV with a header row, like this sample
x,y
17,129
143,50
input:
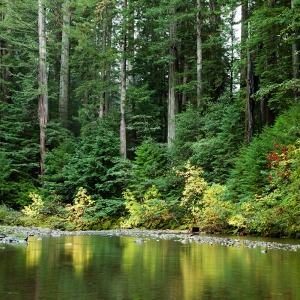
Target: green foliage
x,y
281,198
11,217
188,130
35,208
88,165
145,122
18,152
209,139
275,210
194,185
149,165
222,135
248,176
150,160
151,210
104,208
5,174
3,212
55,162
261,194
215,211
76,212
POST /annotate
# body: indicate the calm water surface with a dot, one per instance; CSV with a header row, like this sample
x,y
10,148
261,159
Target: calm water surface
x,y
103,267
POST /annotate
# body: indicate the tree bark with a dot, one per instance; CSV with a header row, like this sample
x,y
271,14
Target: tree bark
x,y
123,147
199,54
172,98
247,74
244,38
249,118
5,56
64,67
43,84
102,108
108,66
185,80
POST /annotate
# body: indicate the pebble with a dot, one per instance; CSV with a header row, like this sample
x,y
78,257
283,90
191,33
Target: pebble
x,y
141,236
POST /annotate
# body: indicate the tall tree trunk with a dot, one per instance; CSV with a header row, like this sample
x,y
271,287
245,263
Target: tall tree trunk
x,y
172,98
185,80
186,65
102,108
123,148
199,54
5,56
266,114
64,69
249,117
43,84
247,74
244,38
172,101
130,54
108,66
232,40
58,39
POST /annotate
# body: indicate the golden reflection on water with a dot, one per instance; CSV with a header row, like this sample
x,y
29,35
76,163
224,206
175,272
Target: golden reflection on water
x,y
119,268
81,253
34,252
192,274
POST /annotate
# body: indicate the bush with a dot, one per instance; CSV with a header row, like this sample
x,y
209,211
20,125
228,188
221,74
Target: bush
x,y
248,176
34,209
90,165
149,164
149,212
3,212
215,212
77,211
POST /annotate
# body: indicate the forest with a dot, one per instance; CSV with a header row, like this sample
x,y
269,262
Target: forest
x,y
150,114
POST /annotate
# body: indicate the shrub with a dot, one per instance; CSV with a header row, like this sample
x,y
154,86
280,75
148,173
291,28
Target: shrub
x,y
149,212
215,211
194,186
248,176
149,164
81,202
35,208
3,212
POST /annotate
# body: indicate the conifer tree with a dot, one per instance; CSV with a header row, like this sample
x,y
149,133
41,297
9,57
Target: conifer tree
x,y
43,112
64,66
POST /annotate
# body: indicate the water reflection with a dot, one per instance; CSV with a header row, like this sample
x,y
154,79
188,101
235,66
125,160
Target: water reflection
x,y
103,267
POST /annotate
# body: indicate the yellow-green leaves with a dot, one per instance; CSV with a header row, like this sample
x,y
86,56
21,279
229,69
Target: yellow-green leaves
x,y
34,209
194,185
81,202
151,208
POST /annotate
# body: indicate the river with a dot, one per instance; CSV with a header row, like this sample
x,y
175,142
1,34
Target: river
x,y
120,267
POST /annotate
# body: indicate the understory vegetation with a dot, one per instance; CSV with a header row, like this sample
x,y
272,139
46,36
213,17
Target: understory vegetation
x,y
260,194
151,114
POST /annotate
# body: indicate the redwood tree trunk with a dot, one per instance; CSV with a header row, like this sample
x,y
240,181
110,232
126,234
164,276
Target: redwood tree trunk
x,y
64,67
5,56
43,84
172,98
249,117
123,148
199,54
102,108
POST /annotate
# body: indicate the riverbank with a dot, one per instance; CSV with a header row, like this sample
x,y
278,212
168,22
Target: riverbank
x,y
183,236
38,231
